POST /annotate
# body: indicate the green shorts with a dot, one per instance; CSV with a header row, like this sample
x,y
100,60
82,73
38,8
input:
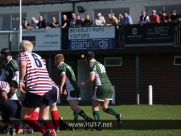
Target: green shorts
x,y
73,95
103,93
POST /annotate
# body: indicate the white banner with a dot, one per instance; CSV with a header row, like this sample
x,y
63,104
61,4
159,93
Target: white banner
x,y
91,32
42,39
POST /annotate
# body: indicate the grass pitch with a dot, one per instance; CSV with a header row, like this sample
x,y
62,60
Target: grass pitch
x,y
129,112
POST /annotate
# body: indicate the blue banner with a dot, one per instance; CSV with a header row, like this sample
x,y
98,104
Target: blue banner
x,y
92,44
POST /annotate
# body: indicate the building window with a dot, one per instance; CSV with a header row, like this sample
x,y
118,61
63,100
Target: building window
x,y
177,60
116,12
48,16
113,61
168,9
10,21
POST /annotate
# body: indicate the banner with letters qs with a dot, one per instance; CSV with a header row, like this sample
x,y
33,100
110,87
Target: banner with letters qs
x,y
42,39
92,38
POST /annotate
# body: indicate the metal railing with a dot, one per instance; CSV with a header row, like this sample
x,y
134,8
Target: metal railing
x,y
177,35
10,38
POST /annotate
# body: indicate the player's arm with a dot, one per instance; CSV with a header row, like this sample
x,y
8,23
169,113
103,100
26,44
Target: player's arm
x,y
89,80
2,77
63,78
15,69
22,73
4,95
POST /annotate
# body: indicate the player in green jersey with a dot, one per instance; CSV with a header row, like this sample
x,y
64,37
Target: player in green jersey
x,y
73,91
103,89
10,68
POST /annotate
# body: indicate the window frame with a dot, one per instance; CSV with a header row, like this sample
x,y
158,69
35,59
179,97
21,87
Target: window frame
x,y
179,56
113,58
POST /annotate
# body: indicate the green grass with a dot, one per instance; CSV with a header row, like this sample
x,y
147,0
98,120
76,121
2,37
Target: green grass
x,y
129,112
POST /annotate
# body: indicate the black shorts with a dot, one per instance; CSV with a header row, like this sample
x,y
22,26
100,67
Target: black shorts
x,y
50,97
10,108
32,100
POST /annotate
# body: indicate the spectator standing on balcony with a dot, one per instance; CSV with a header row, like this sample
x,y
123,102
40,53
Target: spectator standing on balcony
x,y
25,23
113,15
164,17
174,16
144,19
79,22
41,23
73,20
100,20
65,22
33,23
111,20
179,18
65,26
154,18
127,20
88,21
54,23
120,30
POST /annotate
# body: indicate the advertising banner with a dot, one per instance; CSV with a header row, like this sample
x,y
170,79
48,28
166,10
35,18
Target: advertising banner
x,y
148,35
42,39
92,38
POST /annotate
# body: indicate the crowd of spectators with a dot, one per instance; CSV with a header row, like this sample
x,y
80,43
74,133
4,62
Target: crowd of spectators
x,y
78,21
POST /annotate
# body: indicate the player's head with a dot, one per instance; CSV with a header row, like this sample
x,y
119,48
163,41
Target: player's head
x,y
13,86
5,52
58,59
89,55
25,46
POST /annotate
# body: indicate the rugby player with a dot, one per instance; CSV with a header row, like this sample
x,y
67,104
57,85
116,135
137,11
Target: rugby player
x,y
103,89
68,78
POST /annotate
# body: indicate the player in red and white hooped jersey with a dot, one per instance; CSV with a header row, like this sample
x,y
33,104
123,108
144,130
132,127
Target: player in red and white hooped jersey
x,y
34,85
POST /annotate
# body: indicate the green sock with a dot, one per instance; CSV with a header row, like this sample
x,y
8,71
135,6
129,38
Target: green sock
x,y
75,117
96,115
111,111
81,113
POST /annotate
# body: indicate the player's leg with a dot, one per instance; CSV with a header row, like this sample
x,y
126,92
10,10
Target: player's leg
x,y
53,108
28,107
105,106
72,98
96,113
44,111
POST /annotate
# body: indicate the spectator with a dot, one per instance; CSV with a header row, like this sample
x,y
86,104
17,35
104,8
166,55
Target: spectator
x,y
65,26
113,15
154,18
144,19
25,24
88,21
73,20
111,20
179,18
120,18
174,16
100,21
127,20
79,22
54,23
164,17
41,23
33,23
65,22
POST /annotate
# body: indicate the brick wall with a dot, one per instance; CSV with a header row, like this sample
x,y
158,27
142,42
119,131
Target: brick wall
x,y
156,70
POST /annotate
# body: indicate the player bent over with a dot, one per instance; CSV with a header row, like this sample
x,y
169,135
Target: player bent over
x,y
73,90
34,76
103,89
10,110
